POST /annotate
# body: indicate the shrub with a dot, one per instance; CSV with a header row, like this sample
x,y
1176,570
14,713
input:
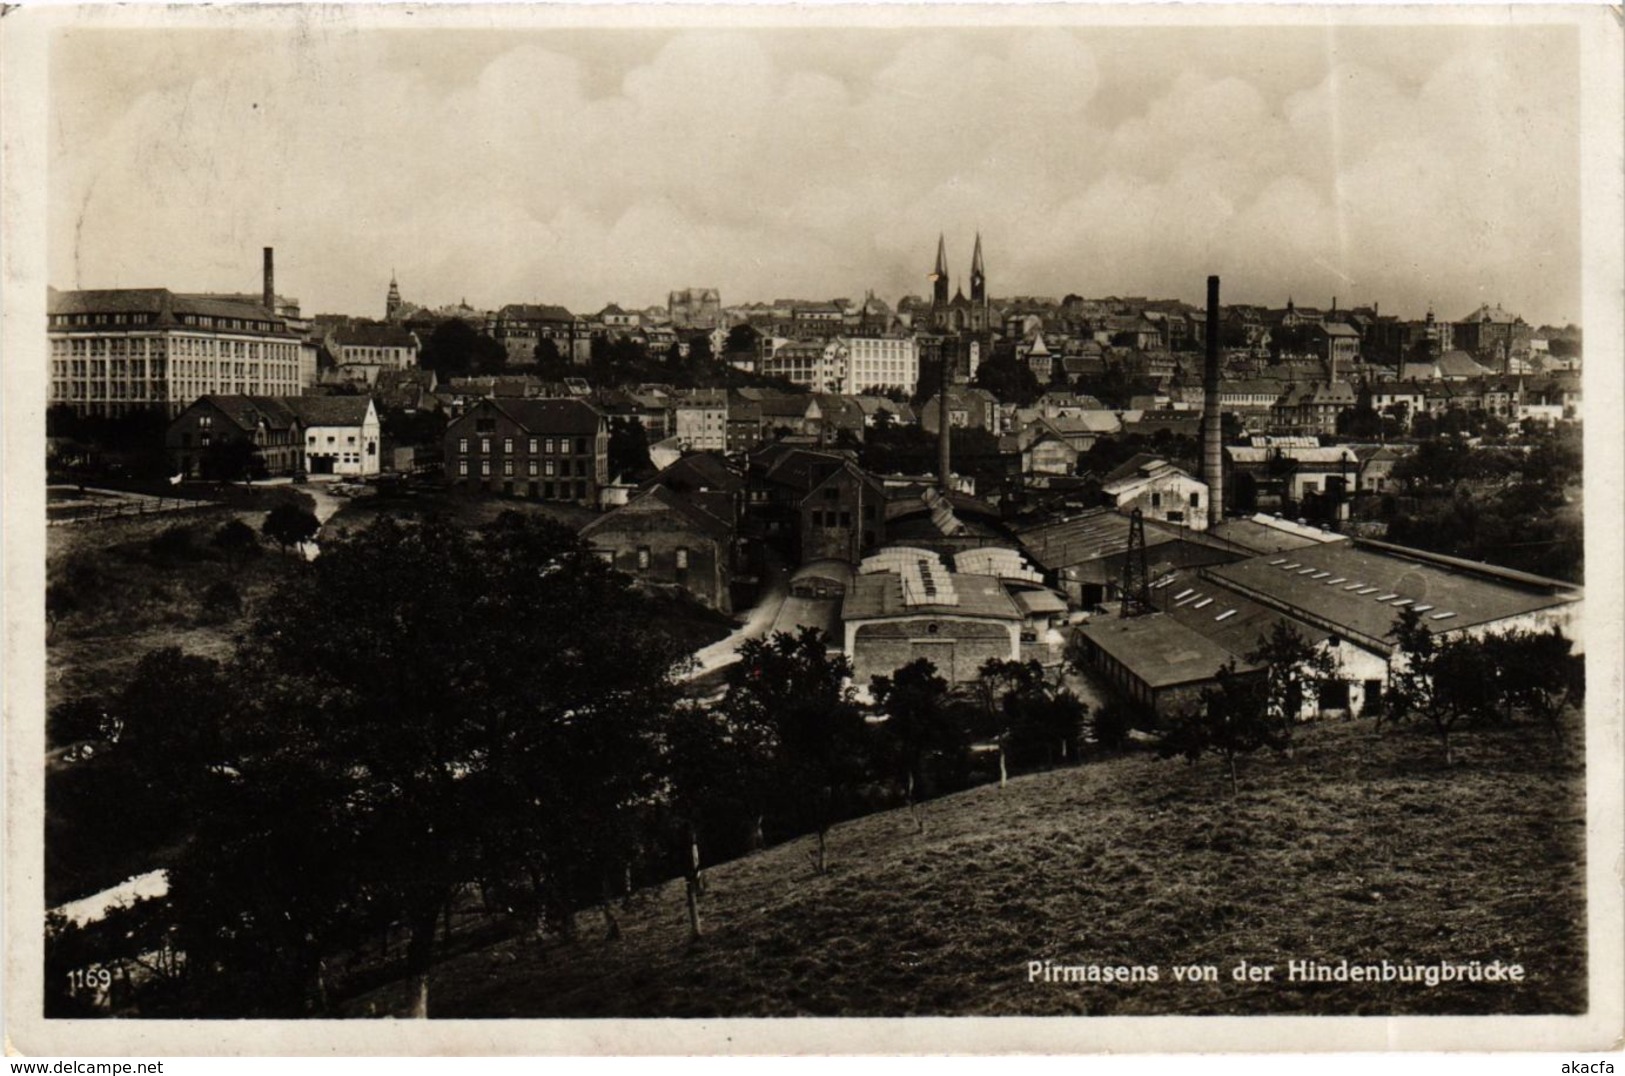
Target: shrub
x,y
222,600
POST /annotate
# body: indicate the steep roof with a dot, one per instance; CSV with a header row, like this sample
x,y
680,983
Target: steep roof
x,y
1460,364
656,498
558,415
329,410
361,335
249,412
534,312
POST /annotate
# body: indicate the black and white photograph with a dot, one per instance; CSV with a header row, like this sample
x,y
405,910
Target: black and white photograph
x,y
547,516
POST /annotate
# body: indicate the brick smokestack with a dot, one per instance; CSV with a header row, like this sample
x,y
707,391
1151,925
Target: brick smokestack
x,y
945,473
270,283
1212,424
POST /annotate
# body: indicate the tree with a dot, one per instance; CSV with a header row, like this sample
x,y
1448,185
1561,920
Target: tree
x,y
1444,682
288,525
1009,379
1030,716
1538,673
1295,672
706,762
919,725
1232,719
232,459
743,339
628,448
551,365
236,541
473,726
789,692
456,349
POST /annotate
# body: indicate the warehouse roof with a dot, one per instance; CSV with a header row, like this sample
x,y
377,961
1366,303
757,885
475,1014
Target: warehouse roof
x,y
1158,649
1359,590
879,596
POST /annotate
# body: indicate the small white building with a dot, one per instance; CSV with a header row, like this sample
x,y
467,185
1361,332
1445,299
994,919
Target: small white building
x,y
342,434
1159,490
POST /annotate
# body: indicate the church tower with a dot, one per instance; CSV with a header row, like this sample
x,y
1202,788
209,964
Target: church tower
x,y
939,277
392,305
978,289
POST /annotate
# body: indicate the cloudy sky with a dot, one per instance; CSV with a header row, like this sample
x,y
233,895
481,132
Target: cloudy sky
x,y
1401,165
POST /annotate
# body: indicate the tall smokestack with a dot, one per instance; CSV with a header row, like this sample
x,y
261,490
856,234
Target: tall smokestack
x,y
270,283
1212,425
945,474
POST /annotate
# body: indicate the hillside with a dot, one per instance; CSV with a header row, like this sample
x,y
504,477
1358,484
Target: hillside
x,y
1360,846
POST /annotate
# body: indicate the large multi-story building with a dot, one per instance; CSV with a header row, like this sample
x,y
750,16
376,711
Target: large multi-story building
x,y
878,362
813,364
695,308
520,327
121,350
552,450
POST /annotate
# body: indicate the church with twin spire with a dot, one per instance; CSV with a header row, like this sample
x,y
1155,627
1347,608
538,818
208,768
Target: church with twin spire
x,y
959,314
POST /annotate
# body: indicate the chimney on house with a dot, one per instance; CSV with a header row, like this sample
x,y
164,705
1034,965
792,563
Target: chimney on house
x,y
1212,424
270,283
945,474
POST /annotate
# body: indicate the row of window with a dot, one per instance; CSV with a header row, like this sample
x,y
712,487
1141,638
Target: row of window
x,y
547,491
548,445
646,559
1156,500
534,468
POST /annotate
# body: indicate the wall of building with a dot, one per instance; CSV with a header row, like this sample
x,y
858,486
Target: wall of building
x,y
342,450
958,646
652,546
842,519
1169,499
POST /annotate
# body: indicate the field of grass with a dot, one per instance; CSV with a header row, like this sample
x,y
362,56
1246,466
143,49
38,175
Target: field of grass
x,y
1359,845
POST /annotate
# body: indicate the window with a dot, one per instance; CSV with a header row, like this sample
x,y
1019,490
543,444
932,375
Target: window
x,y
462,467
643,557
1196,500
507,444
1156,500
552,468
485,467
533,443
606,555
534,470
581,446
682,558
550,449
507,467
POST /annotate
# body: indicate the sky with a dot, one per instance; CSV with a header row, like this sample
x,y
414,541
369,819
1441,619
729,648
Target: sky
x,y
1401,165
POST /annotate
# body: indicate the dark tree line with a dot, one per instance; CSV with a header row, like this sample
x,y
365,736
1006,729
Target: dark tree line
x,y
422,719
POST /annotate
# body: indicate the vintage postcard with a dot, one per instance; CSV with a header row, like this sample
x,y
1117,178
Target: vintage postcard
x,y
851,529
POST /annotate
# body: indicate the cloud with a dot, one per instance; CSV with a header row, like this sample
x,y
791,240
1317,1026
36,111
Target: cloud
x,y
1374,165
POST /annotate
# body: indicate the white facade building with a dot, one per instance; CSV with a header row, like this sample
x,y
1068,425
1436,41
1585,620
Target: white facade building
x,y
877,362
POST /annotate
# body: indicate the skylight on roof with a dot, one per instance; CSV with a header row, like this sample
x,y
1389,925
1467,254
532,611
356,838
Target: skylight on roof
x,y
1226,615
1289,567
1389,597
1339,579
1366,590
1204,603
1278,560
1322,575
1305,571
1188,600
1423,608
1187,592
1443,616
1354,586
1404,601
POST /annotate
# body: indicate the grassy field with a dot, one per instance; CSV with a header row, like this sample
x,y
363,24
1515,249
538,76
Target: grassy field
x,y
1359,846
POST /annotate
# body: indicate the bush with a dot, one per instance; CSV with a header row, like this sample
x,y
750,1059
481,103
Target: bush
x,y
175,545
1111,725
222,600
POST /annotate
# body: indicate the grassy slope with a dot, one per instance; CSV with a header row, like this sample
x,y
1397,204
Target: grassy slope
x,y
1361,846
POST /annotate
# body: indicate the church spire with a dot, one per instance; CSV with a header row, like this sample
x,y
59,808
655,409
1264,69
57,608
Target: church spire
x,y
392,304
978,275
939,276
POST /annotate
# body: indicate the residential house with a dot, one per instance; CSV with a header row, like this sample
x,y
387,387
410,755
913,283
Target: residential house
x,y
701,419
664,538
342,434
214,421
552,449
1159,489
968,408
1313,407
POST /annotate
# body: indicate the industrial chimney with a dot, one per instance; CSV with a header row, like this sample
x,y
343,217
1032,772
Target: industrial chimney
x,y
1212,425
945,474
270,283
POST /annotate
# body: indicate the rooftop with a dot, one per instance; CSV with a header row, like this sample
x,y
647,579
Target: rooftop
x,y
1158,649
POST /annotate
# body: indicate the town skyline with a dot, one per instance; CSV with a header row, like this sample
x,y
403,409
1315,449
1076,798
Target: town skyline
x,y
583,167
